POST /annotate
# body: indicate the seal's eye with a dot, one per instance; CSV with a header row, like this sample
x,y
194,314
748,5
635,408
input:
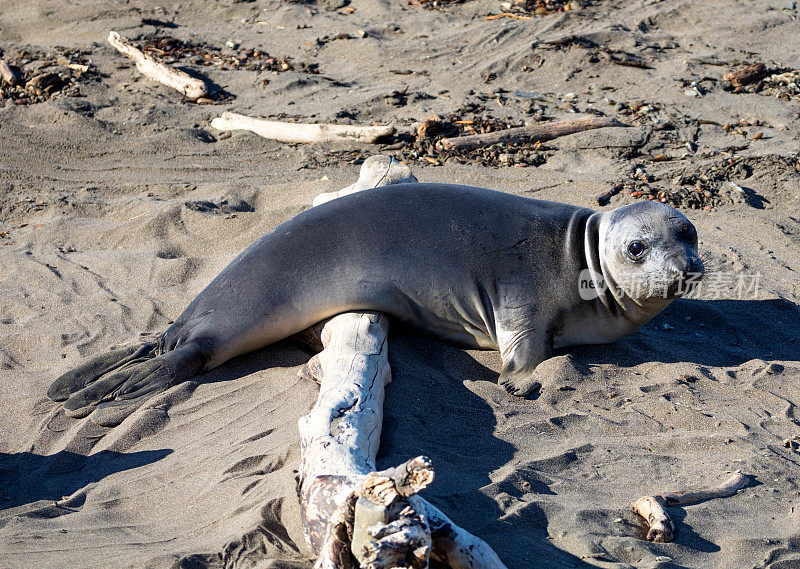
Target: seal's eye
x,y
636,249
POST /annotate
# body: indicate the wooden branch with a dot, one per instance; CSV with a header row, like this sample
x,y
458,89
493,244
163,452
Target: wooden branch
x,y
375,171
749,74
352,515
152,67
534,133
661,527
10,74
301,132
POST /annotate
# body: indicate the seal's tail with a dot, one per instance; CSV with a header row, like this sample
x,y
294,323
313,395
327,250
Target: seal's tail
x,y
123,377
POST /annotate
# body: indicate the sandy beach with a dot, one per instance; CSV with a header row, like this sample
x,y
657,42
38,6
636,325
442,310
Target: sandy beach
x,y
119,203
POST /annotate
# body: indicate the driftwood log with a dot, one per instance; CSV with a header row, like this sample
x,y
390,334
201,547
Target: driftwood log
x,y
152,67
301,132
351,513
376,171
533,133
660,525
749,74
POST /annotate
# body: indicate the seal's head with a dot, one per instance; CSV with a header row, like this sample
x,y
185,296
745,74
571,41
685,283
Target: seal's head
x,y
648,252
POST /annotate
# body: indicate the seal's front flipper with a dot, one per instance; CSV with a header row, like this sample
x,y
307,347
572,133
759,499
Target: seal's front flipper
x,y
130,385
520,358
89,372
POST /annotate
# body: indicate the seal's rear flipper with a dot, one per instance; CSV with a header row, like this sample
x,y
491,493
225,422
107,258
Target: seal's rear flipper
x,y
76,379
130,382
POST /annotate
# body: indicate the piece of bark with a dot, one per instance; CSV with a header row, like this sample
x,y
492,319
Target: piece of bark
x,y
10,74
152,67
534,133
352,515
301,132
749,74
660,525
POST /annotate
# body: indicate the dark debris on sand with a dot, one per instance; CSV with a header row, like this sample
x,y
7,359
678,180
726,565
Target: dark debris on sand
x,y
518,7
173,50
35,76
421,146
781,83
704,187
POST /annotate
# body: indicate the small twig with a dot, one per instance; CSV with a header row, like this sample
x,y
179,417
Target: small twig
x,y
661,527
508,15
150,66
534,133
300,132
605,197
138,216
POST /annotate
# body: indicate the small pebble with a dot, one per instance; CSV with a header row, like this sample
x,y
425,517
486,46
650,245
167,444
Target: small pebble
x,y
224,135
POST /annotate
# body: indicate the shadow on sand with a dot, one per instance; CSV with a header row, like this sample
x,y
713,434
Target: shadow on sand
x,y
26,477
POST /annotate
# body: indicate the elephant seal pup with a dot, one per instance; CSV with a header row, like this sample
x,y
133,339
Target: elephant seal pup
x,y
474,267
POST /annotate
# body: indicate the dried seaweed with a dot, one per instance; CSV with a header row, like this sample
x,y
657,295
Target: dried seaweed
x,y
704,187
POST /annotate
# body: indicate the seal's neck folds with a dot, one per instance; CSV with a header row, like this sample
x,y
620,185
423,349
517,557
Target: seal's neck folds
x,y
609,292
601,282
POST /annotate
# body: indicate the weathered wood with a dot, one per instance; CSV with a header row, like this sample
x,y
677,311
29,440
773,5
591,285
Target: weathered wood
x,y
749,74
152,67
533,133
376,171
301,132
10,75
652,508
352,514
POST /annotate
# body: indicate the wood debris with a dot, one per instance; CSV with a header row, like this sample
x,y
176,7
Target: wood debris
x,y
152,67
31,77
652,508
749,74
301,132
352,515
508,15
11,75
534,133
